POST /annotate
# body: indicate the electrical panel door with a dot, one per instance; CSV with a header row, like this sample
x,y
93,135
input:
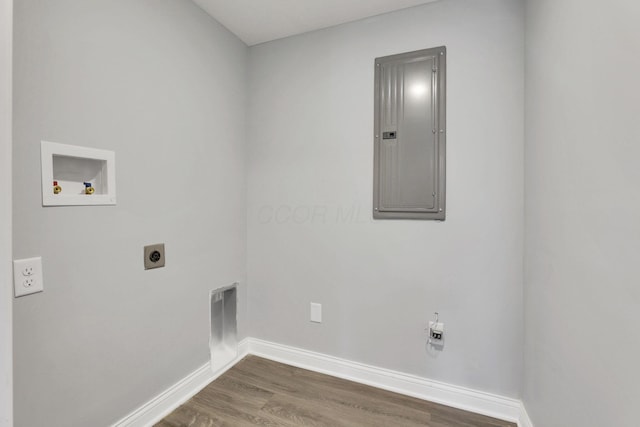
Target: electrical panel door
x,y
409,170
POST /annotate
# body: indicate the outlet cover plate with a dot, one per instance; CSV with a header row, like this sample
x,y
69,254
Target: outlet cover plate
x,y
27,276
154,256
316,313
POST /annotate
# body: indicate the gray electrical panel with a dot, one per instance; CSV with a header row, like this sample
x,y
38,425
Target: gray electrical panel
x,y
409,146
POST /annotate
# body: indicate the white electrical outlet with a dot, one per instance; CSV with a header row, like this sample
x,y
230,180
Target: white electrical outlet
x,y
316,312
27,276
436,331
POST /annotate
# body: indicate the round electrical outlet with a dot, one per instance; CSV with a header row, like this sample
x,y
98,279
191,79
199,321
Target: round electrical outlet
x,y
155,256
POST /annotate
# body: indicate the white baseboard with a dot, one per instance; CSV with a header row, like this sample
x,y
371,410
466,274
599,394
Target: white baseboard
x,y
169,400
492,405
524,420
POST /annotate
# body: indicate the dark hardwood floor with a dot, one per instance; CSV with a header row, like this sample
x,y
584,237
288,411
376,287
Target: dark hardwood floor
x,y
259,392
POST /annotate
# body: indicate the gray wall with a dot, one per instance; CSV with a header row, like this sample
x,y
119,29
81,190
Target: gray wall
x,y
583,205
163,85
6,278
310,165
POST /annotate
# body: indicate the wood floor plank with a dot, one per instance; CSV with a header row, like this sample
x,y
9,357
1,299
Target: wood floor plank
x,y
260,392
328,414
189,416
235,390
216,404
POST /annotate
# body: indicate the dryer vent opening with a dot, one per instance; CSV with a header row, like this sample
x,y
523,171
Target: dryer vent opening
x,y
223,341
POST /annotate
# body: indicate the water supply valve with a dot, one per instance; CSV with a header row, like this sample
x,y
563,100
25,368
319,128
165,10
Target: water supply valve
x,y
88,188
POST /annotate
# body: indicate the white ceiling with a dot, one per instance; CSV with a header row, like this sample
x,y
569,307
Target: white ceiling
x,y
258,21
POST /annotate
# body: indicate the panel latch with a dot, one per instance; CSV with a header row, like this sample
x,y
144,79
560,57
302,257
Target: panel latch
x,y
389,135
